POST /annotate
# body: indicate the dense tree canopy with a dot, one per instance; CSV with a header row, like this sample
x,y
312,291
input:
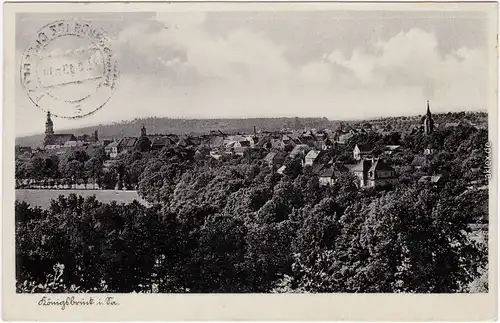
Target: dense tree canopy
x,y
235,225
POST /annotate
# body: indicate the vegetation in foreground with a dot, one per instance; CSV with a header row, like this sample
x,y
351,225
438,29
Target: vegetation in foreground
x,y
236,226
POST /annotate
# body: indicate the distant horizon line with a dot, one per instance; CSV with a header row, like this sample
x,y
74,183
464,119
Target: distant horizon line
x,y
354,119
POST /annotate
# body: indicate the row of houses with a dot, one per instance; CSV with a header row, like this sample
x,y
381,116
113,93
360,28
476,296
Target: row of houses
x,y
369,171
220,144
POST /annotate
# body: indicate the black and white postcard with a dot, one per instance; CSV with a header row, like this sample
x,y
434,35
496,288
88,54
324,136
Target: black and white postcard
x,y
250,161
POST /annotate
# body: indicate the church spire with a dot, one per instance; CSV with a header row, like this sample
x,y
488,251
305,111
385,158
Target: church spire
x,y
428,122
49,125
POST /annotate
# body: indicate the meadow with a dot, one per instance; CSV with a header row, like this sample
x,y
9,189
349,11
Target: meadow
x,y
42,197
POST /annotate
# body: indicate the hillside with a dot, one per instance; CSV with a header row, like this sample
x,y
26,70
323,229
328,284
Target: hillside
x,y
201,126
186,126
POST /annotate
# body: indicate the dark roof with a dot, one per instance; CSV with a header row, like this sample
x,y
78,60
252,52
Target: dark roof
x,y
161,142
340,168
113,144
217,141
345,137
269,157
365,147
184,142
262,142
380,165
334,171
328,172
316,169
59,139
431,179
362,166
128,142
420,161
299,149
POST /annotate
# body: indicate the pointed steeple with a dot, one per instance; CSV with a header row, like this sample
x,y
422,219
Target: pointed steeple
x,y
428,122
49,126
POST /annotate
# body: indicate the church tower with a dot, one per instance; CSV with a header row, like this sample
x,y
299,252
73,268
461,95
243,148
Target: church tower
x,y
49,126
143,131
428,122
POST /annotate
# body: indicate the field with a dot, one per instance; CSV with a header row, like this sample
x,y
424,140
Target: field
x,y
43,197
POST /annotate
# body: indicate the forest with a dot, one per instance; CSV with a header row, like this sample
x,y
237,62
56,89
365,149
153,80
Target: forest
x,y
236,226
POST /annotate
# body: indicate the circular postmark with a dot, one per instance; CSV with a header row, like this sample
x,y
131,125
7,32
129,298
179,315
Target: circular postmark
x,y
69,69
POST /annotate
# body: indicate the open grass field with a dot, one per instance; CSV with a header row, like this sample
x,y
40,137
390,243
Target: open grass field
x,y
43,197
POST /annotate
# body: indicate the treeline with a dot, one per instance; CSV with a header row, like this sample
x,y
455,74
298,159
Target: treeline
x,y
452,117
240,229
80,167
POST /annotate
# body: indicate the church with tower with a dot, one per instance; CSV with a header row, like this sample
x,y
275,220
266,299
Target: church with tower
x,y
55,141
427,121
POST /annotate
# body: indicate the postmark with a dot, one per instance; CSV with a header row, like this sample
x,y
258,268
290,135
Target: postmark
x,y
69,69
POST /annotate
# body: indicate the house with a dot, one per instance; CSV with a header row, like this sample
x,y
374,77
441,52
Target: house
x,y
362,151
317,168
344,138
277,144
73,143
55,141
112,149
374,172
311,157
451,124
23,149
273,159
108,164
429,151
308,138
159,142
23,153
300,149
323,144
216,141
264,143
420,162
290,141
215,154
233,138
281,170
329,176
436,180
127,144
391,149
185,142
241,147
238,147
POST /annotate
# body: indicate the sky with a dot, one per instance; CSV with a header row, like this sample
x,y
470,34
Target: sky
x,y
334,64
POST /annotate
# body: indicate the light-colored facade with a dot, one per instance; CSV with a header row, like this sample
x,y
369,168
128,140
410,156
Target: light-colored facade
x,y
374,172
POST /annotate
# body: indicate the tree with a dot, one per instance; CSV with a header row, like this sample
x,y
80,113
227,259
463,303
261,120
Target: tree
x,y
93,168
36,168
406,241
73,171
217,262
293,166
